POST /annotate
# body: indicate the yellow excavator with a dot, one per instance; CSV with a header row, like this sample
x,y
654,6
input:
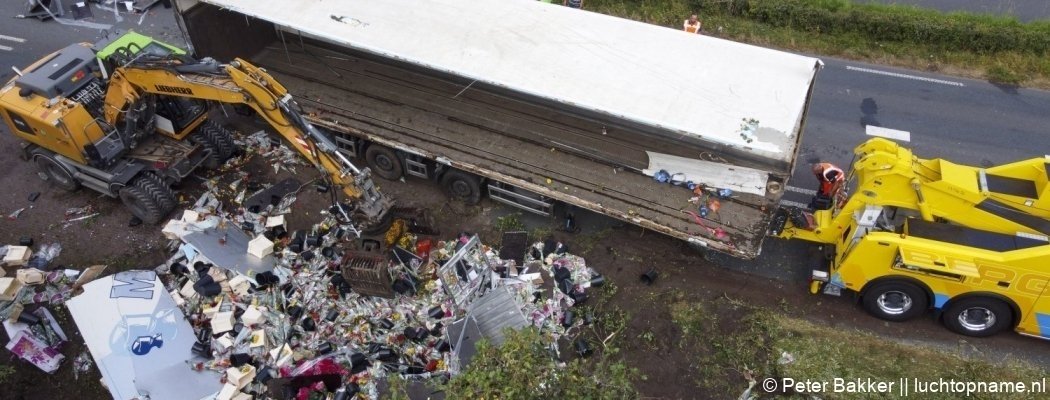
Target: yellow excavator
x,y
917,234
128,117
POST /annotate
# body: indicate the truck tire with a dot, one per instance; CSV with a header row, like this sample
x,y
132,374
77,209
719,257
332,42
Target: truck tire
x,y
978,316
160,192
53,172
383,161
462,186
221,137
137,198
895,301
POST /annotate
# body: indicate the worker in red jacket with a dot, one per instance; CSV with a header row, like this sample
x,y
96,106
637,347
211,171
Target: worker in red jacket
x,y
831,179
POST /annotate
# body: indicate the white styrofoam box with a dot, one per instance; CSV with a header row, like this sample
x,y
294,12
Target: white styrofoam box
x,y
260,247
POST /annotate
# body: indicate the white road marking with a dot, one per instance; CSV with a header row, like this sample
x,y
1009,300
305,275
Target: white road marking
x,y
5,48
807,192
905,76
793,204
12,38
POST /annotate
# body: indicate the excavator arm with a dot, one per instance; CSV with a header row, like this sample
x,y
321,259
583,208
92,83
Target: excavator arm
x,y
240,82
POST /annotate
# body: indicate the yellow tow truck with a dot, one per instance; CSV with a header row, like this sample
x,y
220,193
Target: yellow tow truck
x,y
970,243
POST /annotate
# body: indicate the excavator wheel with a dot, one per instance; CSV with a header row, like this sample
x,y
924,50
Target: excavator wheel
x,y
55,173
138,197
214,160
221,137
160,192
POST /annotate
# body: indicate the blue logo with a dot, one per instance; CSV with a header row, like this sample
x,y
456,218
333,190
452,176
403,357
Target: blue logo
x,y
143,344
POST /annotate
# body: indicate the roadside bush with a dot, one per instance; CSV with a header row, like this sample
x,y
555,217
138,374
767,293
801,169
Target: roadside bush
x,y
958,31
523,368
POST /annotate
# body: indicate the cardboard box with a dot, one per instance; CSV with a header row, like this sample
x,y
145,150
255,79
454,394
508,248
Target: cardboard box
x,y
9,288
179,301
253,316
187,291
217,274
222,322
227,392
258,338
174,229
30,276
277,220
260,247
225,341
240,376
240,285
17,255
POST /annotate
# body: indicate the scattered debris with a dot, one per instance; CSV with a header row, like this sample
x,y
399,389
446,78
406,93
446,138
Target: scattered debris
x,y
82,363
649,277
36,338
14,215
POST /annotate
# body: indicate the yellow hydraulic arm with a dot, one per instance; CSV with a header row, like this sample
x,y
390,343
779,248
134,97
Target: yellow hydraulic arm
x,y
240,82
1009,198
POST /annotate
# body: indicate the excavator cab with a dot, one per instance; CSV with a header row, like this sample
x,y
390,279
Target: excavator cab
x,y
177,117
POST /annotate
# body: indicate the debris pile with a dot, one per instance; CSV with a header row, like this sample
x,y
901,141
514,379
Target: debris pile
x,y
247,306
265,310
35,335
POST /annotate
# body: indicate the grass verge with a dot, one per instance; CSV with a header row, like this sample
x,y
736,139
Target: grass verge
x,y
736,343
827,27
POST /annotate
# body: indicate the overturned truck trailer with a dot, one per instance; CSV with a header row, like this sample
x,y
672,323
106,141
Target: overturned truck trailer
x,y
537,105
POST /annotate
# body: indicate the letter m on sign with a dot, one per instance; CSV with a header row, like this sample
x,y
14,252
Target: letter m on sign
x,y
133,284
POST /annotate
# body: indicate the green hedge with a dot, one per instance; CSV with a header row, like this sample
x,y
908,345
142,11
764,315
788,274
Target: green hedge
x,y
957,31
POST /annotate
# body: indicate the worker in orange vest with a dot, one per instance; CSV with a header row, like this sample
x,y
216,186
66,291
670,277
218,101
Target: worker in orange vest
x,y
831,179
692,25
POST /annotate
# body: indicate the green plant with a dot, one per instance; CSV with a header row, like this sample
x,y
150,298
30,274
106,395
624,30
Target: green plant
x,y
6,372
1003,75
397,388
509,223
523,367
957,43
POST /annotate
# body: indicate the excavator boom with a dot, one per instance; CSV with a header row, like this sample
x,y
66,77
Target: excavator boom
x,y
240,82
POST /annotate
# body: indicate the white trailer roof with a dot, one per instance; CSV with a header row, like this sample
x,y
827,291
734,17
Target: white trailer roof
x,y
691,84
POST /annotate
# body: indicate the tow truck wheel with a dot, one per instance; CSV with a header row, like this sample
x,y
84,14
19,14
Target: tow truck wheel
x,y
55,173
978,316
895,301
384,162
137,198
462,186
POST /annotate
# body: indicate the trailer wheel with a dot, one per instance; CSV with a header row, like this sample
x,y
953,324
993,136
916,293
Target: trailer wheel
x,y
137,198
978,316
55,173
221,137
462,186
384,162
895,301
160,192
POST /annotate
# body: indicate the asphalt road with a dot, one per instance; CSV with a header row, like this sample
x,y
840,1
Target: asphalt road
x,y
966,121
1024,10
